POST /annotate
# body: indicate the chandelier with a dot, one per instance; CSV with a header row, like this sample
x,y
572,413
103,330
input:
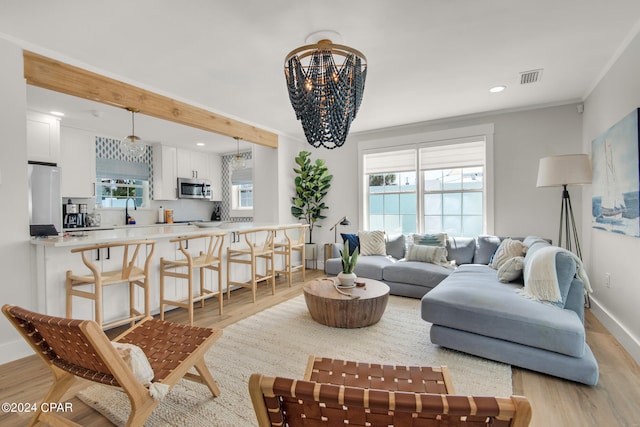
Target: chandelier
x,y
132,145
325,83
238,161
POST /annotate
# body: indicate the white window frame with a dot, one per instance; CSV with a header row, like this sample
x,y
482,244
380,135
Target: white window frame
x,y
417,140
236,209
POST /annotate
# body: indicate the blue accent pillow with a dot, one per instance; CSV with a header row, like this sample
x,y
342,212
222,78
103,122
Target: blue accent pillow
x,y
354,241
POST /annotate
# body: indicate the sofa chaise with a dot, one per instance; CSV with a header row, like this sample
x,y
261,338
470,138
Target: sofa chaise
x,y
472,311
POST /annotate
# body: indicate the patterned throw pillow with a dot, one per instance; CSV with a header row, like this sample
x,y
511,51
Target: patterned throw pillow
x,y
509,248
437,239
372,243
511,269
426,253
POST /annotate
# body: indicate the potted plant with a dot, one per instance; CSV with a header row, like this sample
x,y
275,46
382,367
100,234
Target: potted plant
x,y
312,184
347,277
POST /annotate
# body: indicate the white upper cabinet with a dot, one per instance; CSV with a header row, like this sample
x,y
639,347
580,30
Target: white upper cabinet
x,y
43,138
165,176
78,162
193,164
215,175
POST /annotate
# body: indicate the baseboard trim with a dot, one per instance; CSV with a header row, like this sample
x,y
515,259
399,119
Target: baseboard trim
x,y
620,333
14,350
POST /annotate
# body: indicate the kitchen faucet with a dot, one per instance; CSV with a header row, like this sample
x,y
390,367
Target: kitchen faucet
x,y
127,218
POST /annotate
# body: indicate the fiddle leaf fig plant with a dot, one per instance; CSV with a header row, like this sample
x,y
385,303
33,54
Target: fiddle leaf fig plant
x,y
312,183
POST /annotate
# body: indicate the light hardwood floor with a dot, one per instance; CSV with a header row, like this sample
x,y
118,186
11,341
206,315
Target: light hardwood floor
x,y
613,402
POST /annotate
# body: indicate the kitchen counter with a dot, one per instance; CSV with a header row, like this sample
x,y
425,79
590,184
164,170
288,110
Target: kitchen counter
x,y
53,258
84,237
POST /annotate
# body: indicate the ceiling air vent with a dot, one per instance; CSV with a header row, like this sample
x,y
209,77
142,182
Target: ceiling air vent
x,y
532,76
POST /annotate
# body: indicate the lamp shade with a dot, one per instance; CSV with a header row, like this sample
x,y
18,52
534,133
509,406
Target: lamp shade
x,y
570,169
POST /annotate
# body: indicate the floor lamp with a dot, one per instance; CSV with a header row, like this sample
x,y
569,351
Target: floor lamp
x,y
560,171
342,221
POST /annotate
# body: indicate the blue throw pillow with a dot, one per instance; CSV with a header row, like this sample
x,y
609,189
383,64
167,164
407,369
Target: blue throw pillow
x,y
354,241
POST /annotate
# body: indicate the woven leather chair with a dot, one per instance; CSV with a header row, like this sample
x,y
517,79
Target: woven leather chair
x,y
296,403
293,242
211,259
79,348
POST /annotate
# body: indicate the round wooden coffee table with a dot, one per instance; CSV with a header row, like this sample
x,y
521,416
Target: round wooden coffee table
x,y
346,308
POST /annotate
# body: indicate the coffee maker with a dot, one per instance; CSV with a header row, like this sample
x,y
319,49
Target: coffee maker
x,y
71,217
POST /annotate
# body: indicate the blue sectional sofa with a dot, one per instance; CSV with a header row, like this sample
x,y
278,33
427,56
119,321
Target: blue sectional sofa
x,y
411,278
472,311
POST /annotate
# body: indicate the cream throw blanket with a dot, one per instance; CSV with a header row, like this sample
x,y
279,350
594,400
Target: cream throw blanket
x,y
540,278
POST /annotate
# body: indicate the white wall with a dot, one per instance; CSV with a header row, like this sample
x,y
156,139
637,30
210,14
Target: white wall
x,y
520,140
615,96
15,286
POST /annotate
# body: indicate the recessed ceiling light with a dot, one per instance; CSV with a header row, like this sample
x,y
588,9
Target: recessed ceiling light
x,y
200,144
57,113
497,89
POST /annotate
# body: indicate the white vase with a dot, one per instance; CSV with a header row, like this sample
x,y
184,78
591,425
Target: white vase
x,y
347,280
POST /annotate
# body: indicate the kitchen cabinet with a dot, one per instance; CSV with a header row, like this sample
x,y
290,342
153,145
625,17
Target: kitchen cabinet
x,y
193,164
43,138
165,175
78,162
215,175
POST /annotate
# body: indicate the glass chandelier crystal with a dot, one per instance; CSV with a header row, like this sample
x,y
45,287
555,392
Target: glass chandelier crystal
x,y
325,83
238,162
131,145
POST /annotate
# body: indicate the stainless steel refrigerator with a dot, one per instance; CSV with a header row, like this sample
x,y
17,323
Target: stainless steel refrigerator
x,y
45,196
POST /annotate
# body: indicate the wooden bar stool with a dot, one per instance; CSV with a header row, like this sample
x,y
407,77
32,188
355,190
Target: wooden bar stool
x,y
128,272
293,242
210,259
249,255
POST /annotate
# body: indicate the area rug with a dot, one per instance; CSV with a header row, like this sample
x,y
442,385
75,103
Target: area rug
x,y
278,341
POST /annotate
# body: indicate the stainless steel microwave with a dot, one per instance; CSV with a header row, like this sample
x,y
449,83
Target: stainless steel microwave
x,y
190,188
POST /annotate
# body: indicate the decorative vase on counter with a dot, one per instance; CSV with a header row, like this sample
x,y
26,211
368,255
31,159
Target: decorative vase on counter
x,y
347,280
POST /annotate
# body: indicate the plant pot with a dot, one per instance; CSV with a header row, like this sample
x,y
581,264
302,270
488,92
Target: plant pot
x,y
347,280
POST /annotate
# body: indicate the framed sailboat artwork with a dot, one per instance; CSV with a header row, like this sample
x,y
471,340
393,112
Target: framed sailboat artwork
x,y
615,205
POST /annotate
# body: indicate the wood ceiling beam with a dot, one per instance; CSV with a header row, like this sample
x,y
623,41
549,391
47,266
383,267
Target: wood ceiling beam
x,y
54,75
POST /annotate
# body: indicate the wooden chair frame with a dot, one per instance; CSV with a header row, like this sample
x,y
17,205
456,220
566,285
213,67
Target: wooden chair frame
x,y
288,247
129,273
253,251
296,403
209,260
79,348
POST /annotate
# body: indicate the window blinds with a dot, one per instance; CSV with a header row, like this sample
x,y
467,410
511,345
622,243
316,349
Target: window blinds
x,y
121,169
395,161
456,155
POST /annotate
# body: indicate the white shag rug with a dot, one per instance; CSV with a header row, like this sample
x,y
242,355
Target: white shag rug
x,y
278,341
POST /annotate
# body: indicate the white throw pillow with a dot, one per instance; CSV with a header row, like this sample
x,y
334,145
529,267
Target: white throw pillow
x,y
136,360
372,243
509,248
511,269
425,253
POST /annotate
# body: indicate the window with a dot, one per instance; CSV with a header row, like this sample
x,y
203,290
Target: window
x,y
429,188
113,193
242,196
241,186
119,180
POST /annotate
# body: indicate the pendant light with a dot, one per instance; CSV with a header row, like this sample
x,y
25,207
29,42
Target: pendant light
x,y
325,82
131,145
238,162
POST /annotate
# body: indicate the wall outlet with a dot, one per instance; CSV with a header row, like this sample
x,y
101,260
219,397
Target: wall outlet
x,y
607,280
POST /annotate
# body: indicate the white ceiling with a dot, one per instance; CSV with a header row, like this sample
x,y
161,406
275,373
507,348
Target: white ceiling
x,y
428,59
